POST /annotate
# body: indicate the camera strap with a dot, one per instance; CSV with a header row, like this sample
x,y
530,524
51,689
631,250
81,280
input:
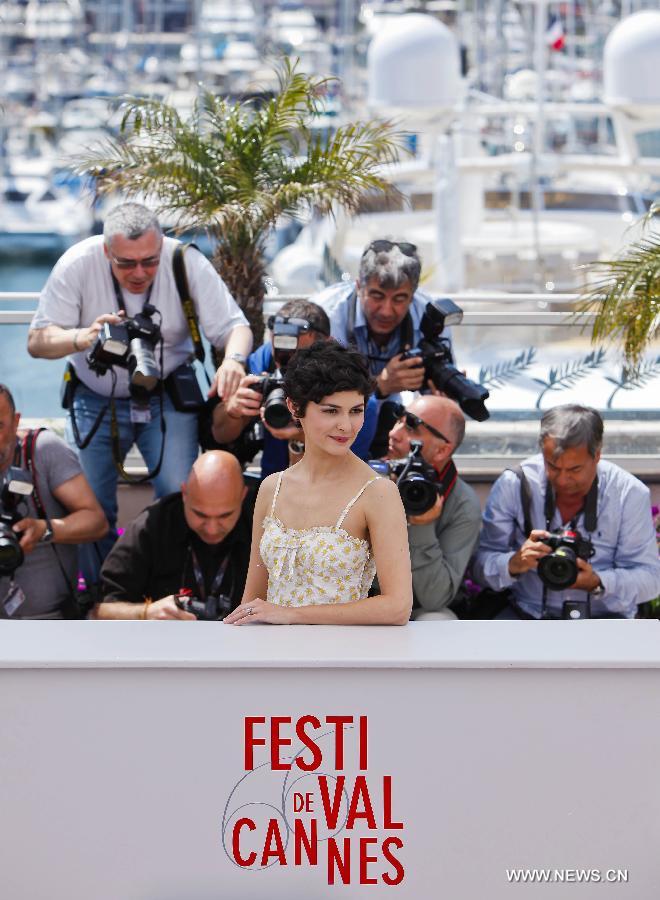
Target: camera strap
x,y
199,575
181,280
589,508
447,479
25,454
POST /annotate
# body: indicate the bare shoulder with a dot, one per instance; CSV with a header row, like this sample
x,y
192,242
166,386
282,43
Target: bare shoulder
x,y
266,491
382,491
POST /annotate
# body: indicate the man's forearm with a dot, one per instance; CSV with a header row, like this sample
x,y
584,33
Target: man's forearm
x,y
239,341
119,609
226,428
81,526
54,342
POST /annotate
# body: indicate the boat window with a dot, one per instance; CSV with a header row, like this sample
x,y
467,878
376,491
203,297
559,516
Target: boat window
x,y
582,200
12,195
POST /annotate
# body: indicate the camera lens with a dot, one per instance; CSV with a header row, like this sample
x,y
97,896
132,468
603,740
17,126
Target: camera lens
x,y
558,570
11,552
418,494
142,365
276,412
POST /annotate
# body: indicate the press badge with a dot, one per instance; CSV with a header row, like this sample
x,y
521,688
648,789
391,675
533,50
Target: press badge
x,y
140,415
15,598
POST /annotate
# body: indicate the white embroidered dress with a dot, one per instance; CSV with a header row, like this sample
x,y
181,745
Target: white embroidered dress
x,y
321,564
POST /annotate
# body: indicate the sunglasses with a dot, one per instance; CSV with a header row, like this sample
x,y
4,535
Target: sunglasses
x,y
383,246
413,422
150,262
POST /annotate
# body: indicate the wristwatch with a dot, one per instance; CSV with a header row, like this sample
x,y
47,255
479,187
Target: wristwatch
x,y
47,536
598,590
238,357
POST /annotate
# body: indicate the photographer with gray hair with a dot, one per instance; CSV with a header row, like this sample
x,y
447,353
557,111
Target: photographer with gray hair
x,y
380,314
112,306
569,534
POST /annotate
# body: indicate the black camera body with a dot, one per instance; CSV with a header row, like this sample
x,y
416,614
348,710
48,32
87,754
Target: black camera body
x,y
213,609
416,479
16,487
435,353
559,570
129,344
276,412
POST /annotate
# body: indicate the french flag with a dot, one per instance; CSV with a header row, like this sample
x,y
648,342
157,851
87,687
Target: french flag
x,y
554,36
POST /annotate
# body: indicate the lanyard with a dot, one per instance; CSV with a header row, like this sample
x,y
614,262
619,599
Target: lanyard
x,y
199,577
120,296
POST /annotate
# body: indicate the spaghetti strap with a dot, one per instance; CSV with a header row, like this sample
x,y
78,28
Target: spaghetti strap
x,y
351,502
277,490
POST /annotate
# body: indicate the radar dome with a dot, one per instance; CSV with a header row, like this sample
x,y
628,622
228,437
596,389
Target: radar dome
x,y
413,62
630,63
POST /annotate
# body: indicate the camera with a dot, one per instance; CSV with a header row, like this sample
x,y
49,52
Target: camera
x,y
16,487
559,569
435,353
129,344
416,479
285,331
276,412
214,608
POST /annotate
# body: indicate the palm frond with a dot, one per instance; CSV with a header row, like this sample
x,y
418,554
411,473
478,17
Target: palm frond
x,y
625,296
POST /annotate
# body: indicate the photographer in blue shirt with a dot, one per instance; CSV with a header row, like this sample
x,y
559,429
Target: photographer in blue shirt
x,y
298,324
590,549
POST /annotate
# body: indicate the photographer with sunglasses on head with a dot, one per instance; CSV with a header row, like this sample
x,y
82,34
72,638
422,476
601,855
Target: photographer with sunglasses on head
x,y
112,306
443,538
255,416
380,314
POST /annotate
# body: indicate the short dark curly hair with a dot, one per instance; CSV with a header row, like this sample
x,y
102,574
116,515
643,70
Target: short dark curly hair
x,y
325,368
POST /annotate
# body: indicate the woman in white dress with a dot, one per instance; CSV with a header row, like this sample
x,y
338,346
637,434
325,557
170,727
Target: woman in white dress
x,y
326,526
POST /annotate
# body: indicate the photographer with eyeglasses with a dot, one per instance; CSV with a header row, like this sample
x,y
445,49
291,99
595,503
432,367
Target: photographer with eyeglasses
x,y
443,512
256,416
113,306
380,315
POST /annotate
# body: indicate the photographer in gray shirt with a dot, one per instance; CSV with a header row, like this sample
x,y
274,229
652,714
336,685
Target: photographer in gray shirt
x,y
442,539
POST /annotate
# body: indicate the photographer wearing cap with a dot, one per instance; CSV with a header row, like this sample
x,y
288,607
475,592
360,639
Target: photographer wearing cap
x,y
570,534
47,508
260,400
112,306
186,556
442,538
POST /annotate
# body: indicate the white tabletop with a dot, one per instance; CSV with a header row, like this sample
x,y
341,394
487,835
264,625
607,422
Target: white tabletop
x,y
583,644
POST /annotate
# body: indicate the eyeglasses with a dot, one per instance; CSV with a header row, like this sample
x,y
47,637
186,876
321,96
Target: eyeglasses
x,y
383,246
149,262
413,422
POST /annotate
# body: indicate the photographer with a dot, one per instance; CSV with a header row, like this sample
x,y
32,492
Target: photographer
x,y
443,538
380,314
96,289
187,551
46,509
596,516
298,324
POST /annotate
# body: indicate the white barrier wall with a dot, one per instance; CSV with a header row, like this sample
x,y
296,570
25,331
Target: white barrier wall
x,y
449,754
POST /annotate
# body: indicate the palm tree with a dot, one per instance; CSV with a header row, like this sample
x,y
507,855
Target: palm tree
x,y
626,296
233,168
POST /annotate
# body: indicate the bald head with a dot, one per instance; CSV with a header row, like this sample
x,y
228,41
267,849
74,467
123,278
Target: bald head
x,y
441,415
213,495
